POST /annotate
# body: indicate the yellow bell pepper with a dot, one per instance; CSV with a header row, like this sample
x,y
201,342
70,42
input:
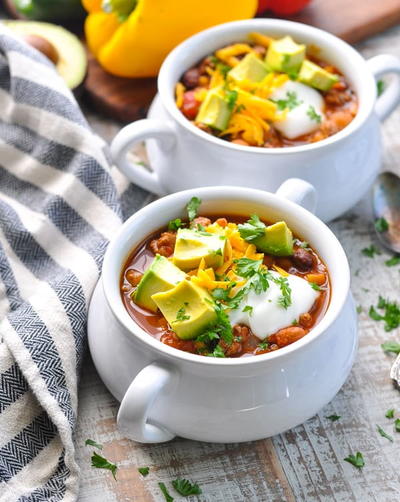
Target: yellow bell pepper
x,y
133,43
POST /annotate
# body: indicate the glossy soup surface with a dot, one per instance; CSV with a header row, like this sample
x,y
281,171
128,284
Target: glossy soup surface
x,y
304,262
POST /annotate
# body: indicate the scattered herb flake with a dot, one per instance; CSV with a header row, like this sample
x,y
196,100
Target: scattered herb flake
x,y
391,314
392,262
390,413
164,490
380,87
185,488
192,207
90,442
391,347
357,460
248,308
381,225
181,315
263,345
359,309
175,224
246,267
384,434
144,471
315,286
102,463
286,299
252,229
223,69
397,425
371,251
333,418
313,114
217,352
290,102
231,98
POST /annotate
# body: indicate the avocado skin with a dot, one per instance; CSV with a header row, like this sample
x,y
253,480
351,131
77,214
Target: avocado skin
x,y
46,10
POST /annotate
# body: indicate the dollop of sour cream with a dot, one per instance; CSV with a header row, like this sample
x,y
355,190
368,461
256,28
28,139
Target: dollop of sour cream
x,y
267,316
306,107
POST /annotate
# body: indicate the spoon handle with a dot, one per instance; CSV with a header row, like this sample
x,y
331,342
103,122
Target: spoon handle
x,y
395,370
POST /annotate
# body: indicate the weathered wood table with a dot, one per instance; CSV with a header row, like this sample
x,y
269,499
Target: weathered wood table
x,y
306,463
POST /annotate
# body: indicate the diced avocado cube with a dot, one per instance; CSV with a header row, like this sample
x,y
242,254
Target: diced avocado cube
x,y
160,276
315,76
277,240
285,55
214,111
188,309
191,246
250,68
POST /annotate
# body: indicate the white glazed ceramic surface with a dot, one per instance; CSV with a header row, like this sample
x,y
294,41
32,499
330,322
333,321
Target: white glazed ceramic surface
x,y
342,167
167,392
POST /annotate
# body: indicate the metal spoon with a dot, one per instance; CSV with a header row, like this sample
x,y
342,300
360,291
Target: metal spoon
x,y
386,205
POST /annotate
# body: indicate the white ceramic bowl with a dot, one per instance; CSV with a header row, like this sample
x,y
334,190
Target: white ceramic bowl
x,y
341,167
167,392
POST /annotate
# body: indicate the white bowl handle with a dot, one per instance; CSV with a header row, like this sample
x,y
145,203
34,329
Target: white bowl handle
x,y
133,133
299,191
390,97
137,402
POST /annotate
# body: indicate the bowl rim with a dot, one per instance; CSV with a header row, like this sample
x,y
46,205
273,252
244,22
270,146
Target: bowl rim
x,y
113,263
324,39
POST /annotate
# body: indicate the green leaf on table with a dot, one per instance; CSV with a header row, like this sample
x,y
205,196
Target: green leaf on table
x,y
397,425
390,314
390,413
185,487
144,471
380,87
392,262
391,347
102,463
357,460
164,490
91,442
381,225
371,251
384,434
333,418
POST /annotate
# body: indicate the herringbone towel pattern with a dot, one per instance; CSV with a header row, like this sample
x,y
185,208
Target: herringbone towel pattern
x,y
58,210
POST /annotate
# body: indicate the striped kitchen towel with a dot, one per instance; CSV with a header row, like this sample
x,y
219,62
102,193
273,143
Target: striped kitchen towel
x,y
58,210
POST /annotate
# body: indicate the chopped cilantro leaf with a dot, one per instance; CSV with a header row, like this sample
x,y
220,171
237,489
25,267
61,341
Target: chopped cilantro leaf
x,y
102,463
391,347
144,471
290,102
90,442
380,87
391,314
223,69
371,251
286,299
333,417
221,329
217,352
315,286
167,496
263,345
381,225
303,244
384,434
181,315
192,207
246,267
397,425
392,262
357,460
231,98
248,308
252,229
390,413
175,224
185,488
313,114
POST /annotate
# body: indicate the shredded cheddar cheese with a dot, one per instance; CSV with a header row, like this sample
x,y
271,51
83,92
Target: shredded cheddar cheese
x,y
226,53
179,92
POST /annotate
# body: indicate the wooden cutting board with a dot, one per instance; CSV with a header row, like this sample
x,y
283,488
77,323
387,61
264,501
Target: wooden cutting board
x,y
127,99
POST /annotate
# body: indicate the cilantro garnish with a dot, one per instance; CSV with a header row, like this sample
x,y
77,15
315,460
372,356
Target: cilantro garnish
x,y
397,424
286,299
231,98
102,463
246,267
252,229
248,308
164,490
391,347
192,207
221,329
303,244
381,225
290,102
144,471
263,345
223,69
371,251
380,87
391,314
357,460
333,417
185,487
90,442
390,413
217,352
313,114
175,224
315,286
392,262
181,314
384,434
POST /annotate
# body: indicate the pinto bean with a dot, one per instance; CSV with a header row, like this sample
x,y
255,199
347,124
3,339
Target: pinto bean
x,y
133,276
164,245
306,320
242,332
170,338
190,78
232,350
302,259
286,336
239,141
200,220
